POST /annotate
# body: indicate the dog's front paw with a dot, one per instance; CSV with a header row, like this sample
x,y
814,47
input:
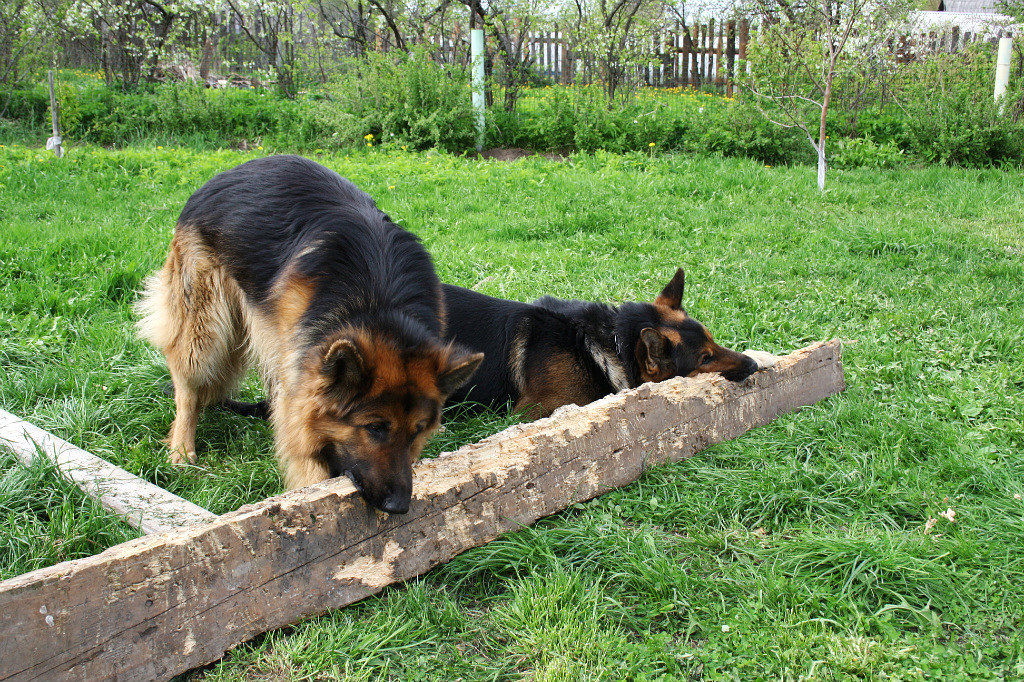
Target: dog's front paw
x,y
763,359
181,456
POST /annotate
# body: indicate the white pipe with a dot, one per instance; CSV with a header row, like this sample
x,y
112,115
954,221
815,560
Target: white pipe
x,y
477,55
1003,68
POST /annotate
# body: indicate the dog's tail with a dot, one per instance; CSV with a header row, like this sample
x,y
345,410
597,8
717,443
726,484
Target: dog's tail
x,y
260,410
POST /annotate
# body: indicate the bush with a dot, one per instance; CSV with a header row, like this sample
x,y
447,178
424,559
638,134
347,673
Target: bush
x,y
407,99
950,113
674,119
858,152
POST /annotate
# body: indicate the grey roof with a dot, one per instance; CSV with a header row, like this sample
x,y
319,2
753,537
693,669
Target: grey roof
x,y
970,6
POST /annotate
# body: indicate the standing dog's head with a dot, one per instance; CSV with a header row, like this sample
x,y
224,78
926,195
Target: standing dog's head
x,y
674,344
374,404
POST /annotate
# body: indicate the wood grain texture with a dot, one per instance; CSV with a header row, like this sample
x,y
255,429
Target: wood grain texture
x,y
159,605
145,506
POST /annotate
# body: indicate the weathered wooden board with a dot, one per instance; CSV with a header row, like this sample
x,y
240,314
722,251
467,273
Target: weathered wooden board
x,y
145,506
159,605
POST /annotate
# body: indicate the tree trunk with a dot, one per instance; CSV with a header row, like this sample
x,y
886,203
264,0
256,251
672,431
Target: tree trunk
x,y
822,163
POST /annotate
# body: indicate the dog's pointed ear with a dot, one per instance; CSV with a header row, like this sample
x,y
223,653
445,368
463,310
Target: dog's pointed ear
x,y
459,370
343,364
653,350
672,294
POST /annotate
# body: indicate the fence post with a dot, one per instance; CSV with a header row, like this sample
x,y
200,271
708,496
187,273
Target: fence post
x,y
55,142
1002,69
744,40
477,48
730,56
687,47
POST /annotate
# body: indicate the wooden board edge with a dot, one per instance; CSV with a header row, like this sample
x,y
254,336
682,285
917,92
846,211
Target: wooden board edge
x,y
141,504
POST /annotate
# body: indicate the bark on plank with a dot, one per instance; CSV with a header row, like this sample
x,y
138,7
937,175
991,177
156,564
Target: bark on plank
x,y
159,605
145,506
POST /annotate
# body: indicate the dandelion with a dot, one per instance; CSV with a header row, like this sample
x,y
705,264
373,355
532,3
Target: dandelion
x,y
391,186
650,144
368,137
159,147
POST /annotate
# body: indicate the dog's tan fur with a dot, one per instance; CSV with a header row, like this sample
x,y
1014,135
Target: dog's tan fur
x,y
195,313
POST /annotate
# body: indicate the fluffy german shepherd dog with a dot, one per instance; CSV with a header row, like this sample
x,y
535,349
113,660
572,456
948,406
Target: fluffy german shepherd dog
x,y
283,263
554,352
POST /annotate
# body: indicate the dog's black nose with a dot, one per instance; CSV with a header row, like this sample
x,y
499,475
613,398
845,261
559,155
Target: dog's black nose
x,y
748,367
396,503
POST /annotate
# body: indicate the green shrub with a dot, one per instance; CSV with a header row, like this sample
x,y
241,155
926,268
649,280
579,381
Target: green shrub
x,y
674,119
950,113
404,99
856,152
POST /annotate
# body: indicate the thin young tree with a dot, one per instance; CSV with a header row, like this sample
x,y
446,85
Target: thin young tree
x,y
806,49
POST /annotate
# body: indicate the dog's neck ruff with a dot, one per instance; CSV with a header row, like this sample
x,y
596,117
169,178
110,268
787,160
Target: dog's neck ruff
x,y
608,359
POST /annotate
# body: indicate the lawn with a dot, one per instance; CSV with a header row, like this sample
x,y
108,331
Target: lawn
x,y
879,534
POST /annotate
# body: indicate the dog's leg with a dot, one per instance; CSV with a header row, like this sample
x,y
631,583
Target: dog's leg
x,y
298,452
191,311
182,438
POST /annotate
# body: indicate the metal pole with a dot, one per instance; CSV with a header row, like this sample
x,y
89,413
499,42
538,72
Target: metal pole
x,y
1003,68
477,55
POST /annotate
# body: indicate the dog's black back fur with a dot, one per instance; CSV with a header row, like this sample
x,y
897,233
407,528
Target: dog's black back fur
x,y
262,214
495,326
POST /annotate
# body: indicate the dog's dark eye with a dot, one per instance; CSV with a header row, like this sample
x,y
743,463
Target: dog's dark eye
x,y
378,430
705,358
421,427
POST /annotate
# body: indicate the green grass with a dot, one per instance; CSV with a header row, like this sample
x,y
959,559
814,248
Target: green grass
x,y
800,550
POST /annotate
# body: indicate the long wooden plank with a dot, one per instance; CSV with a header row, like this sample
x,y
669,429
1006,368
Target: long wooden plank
x,y
145,506
159,605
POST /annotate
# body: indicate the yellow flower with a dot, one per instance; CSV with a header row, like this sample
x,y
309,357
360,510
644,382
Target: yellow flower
x,y
391,186
159,147
650,144
368,137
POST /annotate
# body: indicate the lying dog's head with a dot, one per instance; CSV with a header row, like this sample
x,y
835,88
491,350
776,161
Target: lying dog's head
x,y
375,405
675,344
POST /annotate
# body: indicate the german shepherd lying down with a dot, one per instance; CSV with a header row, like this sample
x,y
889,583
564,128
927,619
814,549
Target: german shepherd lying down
x,y
540,356
554,352
283,263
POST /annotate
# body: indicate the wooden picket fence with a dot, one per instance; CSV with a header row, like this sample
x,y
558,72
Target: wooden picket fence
x,y
915,44
698,56
706,55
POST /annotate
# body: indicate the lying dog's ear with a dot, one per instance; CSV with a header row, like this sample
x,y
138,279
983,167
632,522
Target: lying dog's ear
x,y
343,364
672,294
653,352
459,370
